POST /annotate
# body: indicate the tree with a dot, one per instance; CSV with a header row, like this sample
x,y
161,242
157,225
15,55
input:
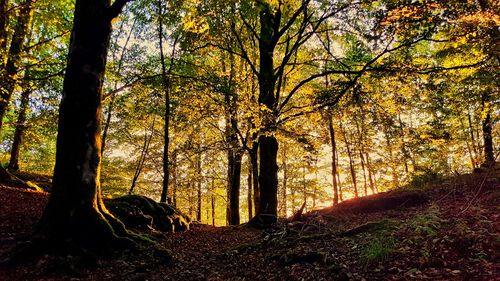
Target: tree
x,y
8,75
75,211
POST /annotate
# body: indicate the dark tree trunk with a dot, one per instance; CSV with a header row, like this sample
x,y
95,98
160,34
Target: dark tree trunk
x,y
4,20
268,176
19,132
285,181
142,157
8,77
255,176
212,199
107,124
268,145
351,161
198,186
166,86
489,156
234,190
249,193
334,158
75,211
174,178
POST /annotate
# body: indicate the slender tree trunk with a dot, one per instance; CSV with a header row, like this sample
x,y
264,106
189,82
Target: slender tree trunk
x,y
469,148
249,193
110,109
4,21
144,153
198,187
473,139
234,191
285,182
333,145
75,211
14,56
351,161
255,176
166,86
19,132
489,156
370,173
212,197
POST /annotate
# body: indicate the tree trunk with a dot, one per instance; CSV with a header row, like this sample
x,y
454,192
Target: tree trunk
x,y
333,144
249,193
351,162
142,158
212,198
8,77
255,176
234,190
20,127
268,145
75,211
166,86
4,20
198,187
489,156
285,179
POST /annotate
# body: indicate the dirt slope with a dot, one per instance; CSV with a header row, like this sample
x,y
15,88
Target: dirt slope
x,y
450,233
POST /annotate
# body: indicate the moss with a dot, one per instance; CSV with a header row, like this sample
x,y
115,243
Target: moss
x,y
142,212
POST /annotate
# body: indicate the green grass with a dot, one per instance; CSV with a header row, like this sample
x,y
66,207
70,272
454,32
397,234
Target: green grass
x,y
378,250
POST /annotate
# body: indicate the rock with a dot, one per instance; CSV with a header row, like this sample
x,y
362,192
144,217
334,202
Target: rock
x,y
141,212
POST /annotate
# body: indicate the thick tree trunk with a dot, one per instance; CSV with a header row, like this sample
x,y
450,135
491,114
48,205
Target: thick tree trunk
x,y
19,132
268,176
268,145
8,77
75,211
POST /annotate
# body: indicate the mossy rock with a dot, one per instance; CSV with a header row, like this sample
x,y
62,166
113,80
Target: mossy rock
x,y
141,212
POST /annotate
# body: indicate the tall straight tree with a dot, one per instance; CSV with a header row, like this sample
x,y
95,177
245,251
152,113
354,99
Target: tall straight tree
x,y
8,75
75,212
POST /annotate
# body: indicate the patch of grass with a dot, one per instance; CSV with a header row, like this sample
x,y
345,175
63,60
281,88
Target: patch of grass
x,y
427,223
378,250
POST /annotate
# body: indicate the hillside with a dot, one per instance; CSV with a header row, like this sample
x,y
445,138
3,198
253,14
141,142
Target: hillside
x,y
442,231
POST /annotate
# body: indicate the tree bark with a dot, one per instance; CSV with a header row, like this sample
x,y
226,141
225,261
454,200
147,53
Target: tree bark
x,y
75,211
234,190
166,86
142,158
333,144
489,156
249,193
198,187
268,145
8,77
19,132
4,20
351,161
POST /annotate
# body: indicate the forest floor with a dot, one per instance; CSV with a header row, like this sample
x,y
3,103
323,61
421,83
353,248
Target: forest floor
x,y
441,231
